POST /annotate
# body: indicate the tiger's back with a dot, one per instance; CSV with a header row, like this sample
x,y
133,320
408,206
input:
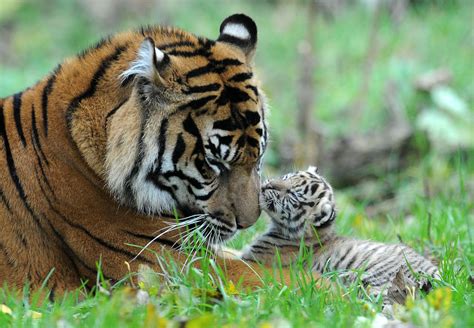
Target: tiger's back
x,y
47,224
101,154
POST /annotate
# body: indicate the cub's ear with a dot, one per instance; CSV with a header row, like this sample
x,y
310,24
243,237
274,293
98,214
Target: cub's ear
x,y
241,31
313,169
150,63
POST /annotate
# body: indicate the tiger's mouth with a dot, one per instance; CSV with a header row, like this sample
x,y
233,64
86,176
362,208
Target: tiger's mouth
x,y
208,229
213,230
220,231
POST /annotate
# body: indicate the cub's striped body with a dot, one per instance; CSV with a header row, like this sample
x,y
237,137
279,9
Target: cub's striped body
x,y
302,209
99,154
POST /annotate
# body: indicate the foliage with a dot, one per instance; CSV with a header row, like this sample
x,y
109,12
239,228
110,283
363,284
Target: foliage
x,y
434,207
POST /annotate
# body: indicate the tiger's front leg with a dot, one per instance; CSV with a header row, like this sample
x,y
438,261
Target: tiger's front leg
x,y
246,274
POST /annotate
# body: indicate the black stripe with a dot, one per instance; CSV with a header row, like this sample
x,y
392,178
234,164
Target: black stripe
x,y
36,148
240,77
290,244
72,256
227,124
5,201
17,116
113,111
179,149
254,89
164,241
12,170
98,240
182,176
99,44
385,271
353,259
233,95
368,254
137,164
40,183
336,265
257,246
96,78
275,235
44,99
253,118
200,71
252,142
203,88
125,82
214,66
206,197
176,44
35,136
197,103
6,254
190,127
188,54
161,144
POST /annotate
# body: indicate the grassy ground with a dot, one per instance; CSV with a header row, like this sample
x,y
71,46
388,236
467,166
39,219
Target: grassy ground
x,y
440,226
435,195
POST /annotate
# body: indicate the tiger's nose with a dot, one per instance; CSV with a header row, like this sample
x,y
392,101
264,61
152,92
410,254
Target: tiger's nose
x,y
248,218
224,215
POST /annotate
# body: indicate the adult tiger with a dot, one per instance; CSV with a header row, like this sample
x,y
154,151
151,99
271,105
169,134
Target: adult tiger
x,y
98,153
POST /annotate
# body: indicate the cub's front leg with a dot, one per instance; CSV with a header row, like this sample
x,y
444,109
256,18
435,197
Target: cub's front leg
x,y
251,268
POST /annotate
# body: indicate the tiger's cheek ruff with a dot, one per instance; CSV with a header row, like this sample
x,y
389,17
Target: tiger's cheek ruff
x,y
132,151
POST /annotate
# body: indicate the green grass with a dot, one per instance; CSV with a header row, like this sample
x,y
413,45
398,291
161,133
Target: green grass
x,y
438,222
440,226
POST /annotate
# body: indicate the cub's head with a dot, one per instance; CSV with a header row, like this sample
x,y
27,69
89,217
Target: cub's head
x,y
298,203
192,134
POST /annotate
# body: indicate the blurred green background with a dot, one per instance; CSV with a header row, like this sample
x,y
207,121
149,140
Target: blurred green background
x,y
378,93
352,59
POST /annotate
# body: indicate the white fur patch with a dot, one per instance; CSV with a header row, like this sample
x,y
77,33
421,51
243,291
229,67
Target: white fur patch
x,y
143,65
159,55
236,30
122,152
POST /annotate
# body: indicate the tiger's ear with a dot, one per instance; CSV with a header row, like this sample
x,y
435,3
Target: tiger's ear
x,y
151,63
241,31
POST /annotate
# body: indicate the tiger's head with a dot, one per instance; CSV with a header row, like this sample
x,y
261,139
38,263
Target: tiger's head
x,y
192,134
298,203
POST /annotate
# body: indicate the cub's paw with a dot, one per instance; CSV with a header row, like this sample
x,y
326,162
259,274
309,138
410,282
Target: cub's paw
x,y
227,253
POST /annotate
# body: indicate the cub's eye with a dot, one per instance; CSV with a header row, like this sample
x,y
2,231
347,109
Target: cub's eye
x,y
286,177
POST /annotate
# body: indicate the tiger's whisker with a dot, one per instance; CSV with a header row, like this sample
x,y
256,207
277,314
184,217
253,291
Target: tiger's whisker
x,y
168,230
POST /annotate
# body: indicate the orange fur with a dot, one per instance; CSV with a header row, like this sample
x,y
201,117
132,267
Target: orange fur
x,y
55,209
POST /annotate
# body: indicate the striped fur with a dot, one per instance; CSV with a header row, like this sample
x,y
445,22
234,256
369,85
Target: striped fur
x,y
101,153
302,210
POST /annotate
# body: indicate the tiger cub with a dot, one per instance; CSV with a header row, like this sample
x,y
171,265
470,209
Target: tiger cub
x,y
302,210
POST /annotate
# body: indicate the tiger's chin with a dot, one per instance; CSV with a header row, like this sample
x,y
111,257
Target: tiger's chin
x,y
220,231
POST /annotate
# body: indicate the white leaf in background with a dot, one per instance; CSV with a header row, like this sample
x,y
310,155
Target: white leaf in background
x,y
446,133
446,99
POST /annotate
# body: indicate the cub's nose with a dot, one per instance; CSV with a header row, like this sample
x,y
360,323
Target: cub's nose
x,y
326,209
273,185
265,185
